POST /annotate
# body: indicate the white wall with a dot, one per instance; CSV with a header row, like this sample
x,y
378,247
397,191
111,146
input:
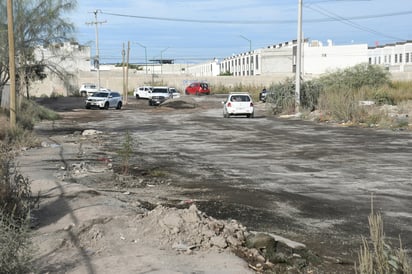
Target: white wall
x,y
205,69
320,59
70,56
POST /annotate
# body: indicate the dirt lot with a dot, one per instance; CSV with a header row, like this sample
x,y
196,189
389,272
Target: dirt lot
x,y
303,181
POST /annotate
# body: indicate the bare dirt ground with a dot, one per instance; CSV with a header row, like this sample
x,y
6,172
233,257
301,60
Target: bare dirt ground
x,y
193,173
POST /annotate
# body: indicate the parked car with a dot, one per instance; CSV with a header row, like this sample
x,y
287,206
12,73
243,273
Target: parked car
x,y
197,88
105,100
158,95
262,95
142,92
175,93
87,89
238,104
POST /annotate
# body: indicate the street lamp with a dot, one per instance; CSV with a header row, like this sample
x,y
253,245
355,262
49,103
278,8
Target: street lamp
x,y
250,42
161,59
145,54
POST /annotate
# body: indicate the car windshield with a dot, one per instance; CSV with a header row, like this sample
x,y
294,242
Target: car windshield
x,y
203,85
159,90
101,94
240,98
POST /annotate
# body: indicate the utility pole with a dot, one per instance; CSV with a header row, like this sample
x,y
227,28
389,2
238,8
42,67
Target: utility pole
x,y
298,59
124,73
12,64
97,57
127,69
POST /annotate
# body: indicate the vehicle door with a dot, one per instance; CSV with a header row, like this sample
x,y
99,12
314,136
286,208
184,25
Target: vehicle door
x,y
113,99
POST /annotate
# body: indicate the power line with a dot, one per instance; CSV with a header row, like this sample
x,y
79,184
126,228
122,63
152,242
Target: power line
x,y
259,22
348,21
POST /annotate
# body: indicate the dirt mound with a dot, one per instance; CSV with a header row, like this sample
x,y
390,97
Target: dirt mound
x,y
180,103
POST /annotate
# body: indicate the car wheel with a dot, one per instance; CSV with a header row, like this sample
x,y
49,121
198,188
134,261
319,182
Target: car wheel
x,y
119,105
150,103
186,92
197,93
137,97
106,105
87,107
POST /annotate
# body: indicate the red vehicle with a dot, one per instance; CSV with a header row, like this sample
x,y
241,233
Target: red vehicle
x,y
197,88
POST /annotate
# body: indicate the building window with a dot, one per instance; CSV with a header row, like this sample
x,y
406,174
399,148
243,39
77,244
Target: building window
x,y
396,58
379,60
407,57
257,62
370,60
385,59
390,59
400,58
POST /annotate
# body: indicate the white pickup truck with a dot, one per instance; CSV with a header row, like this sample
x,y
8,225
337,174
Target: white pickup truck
x,y
158,95
142,92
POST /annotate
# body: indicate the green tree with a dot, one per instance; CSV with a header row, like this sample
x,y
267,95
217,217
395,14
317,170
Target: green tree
x,y
37,23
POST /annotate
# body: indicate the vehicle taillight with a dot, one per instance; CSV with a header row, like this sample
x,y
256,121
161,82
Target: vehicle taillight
x,y
251,104
229,104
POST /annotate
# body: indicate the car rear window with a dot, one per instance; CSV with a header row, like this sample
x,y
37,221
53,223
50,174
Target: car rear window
x,y
240,98
204,85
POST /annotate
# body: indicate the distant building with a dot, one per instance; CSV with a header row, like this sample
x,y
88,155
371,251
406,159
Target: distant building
x,y
395,57
70,56
281,58
205,69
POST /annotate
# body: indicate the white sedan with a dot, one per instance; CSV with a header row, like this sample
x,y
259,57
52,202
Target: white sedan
x,y
238,104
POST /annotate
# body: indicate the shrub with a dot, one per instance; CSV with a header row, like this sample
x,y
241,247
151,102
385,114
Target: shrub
x,y
16,248
15,205
354,78
281,96
126,152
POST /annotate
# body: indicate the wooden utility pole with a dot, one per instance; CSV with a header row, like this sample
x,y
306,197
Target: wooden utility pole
x,y
12,64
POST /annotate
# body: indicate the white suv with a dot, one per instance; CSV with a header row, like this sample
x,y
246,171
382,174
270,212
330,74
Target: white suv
x,y
105,100
238,104
142,92
87,89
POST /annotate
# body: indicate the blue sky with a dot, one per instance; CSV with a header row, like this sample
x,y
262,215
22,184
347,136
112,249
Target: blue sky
x,y
199,30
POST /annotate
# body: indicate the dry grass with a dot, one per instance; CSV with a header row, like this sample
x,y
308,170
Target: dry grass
x,y
377,256
15,204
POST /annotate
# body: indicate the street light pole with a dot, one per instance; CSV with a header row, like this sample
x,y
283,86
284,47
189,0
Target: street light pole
x,y
250,42
145,54
161,60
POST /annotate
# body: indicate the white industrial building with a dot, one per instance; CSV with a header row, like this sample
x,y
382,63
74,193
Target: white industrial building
x,y
205,69
395,57
281,58
71,56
